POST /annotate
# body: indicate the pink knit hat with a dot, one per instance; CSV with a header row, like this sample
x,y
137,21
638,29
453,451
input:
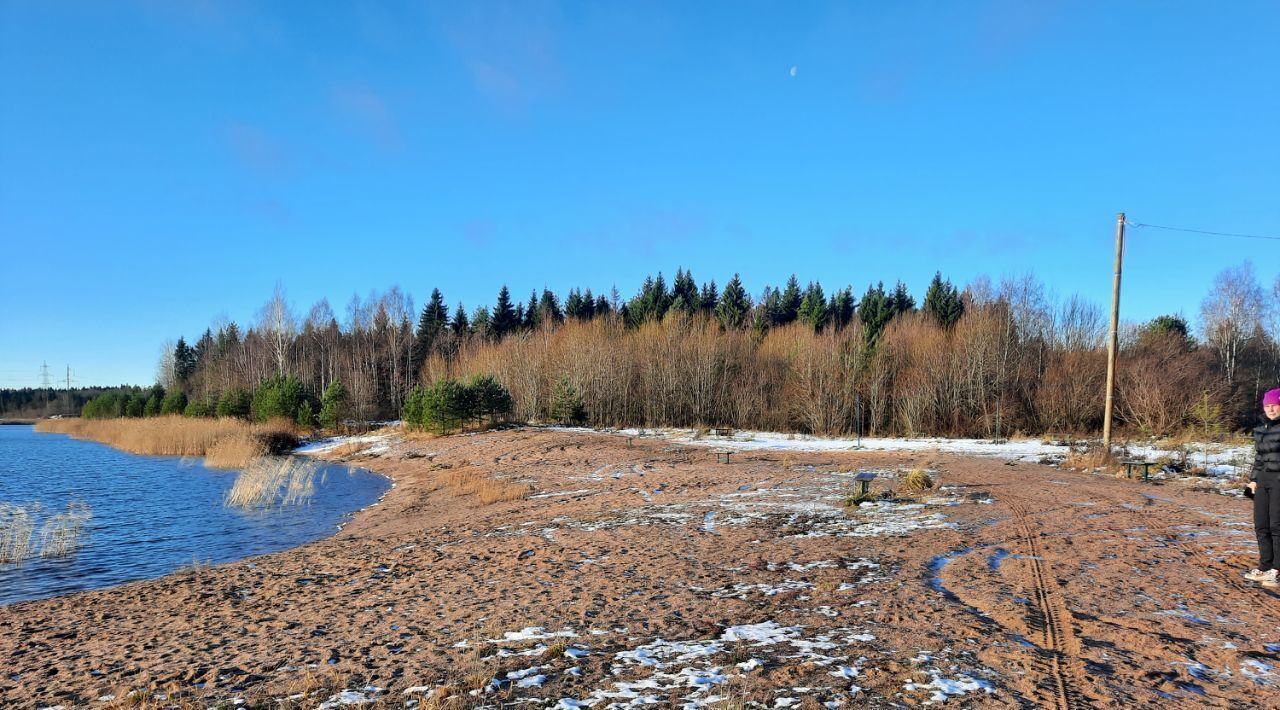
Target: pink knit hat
x,y
1271,398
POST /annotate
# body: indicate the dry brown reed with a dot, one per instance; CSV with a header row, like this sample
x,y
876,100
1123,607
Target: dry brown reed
x,y
273,479
16,525
60,536
224,442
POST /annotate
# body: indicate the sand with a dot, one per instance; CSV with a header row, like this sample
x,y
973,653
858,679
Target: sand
x,y
652,573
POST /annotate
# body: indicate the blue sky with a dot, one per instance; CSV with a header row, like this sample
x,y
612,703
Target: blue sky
x,y
163,164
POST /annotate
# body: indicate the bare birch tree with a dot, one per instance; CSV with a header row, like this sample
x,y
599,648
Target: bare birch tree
x,y
1231,314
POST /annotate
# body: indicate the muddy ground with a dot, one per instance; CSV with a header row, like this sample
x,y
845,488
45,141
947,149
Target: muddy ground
x,y
649,573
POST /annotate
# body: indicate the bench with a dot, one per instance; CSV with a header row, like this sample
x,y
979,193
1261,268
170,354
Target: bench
x,y
721,431
1132,464
723,456
864,480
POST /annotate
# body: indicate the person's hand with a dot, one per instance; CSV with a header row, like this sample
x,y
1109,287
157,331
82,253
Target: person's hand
x,y
1253,486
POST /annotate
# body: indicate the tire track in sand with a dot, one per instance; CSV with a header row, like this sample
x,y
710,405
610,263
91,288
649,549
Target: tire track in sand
x,y
1058,641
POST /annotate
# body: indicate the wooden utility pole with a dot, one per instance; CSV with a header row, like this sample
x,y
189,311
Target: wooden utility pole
x,y
1113,342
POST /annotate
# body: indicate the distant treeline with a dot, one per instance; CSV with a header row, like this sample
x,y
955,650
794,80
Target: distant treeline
x,y
986,360
33,402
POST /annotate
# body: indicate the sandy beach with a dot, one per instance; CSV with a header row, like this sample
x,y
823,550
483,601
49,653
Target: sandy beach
x,y
648,572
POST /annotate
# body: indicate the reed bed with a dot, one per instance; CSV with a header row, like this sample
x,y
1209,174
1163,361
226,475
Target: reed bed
x,y
60,535
16,525
224,442
269,480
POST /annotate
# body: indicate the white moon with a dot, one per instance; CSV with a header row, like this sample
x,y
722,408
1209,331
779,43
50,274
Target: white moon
x,y
793,70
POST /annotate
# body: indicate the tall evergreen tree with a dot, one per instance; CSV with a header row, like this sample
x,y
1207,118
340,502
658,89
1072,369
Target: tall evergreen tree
x,y
684,292
432,322
902,300
184,363
573,305
842,307
603,308
734,304
532,315
813,307
503,320
709,297
788,303
480,323
549,307
588,305
875,310
770,306
460,326
942,301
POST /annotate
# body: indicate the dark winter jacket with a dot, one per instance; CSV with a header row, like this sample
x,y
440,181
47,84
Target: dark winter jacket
x,y
1266,453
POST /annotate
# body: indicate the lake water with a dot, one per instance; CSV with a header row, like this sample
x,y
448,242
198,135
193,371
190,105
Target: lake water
x,y
152,515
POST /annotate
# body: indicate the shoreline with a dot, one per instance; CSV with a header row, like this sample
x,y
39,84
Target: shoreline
x,y
345,518
622,551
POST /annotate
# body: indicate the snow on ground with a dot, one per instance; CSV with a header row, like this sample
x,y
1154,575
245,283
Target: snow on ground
x,y
377,444
1220,460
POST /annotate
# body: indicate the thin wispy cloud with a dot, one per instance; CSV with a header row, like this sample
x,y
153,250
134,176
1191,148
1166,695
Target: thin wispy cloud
x,y
254,149
367,111
510,50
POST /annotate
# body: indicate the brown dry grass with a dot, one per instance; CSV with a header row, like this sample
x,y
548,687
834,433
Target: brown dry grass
x,y
224,442
486,490
1092,459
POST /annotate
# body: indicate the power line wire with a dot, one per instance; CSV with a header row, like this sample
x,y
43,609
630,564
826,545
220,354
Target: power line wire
x,y
1131,223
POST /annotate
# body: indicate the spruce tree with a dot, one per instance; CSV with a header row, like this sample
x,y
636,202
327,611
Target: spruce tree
x,y
684,292
503,320
602,307
588,305
875,310
184,362
460,325
770,306
901,300
734,305
813,307
549,308
709,298
942,301
532,317
573,305
432,322
480,323
789,303
842,307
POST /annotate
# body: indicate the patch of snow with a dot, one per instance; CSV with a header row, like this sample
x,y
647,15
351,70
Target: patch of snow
x,y
942,688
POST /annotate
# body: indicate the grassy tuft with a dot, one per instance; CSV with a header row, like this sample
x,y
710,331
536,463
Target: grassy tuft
x,y
918,480
486,490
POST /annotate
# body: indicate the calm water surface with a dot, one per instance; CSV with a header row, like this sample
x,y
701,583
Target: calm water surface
x,y
152,514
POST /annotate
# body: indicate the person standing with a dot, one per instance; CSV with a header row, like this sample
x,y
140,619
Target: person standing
x,y
1264,483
